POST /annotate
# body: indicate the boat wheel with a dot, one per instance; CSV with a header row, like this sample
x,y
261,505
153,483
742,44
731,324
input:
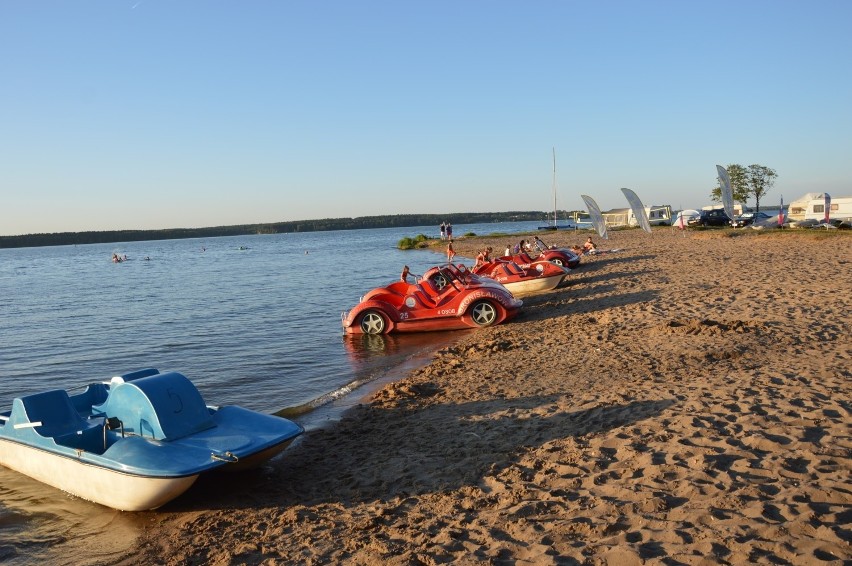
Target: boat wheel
x,y
440,281
373,322
483,313
557,261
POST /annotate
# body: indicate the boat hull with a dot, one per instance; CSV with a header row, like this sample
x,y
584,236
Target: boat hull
x,y
136,442
525,278
255,460
532,286
125,492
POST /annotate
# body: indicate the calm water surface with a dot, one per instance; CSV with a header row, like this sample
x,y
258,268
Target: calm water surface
x,y
251,320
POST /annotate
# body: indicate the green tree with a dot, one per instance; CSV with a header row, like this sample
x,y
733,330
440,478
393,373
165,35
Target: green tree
x,y
753,181
759,180
739,185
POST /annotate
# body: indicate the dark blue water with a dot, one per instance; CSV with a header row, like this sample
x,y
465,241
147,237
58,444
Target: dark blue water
x,y
251,320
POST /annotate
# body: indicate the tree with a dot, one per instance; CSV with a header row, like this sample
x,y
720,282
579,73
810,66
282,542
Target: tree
x,y
739,184
759,179
753,181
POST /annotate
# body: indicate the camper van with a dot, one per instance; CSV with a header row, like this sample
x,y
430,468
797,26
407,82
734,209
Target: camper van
x,y
811,208
657,215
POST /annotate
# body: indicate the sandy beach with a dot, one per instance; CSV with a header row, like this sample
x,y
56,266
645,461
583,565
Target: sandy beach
x,y
685,400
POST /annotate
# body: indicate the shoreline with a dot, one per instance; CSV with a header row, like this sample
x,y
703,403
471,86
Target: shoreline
x,y
684,399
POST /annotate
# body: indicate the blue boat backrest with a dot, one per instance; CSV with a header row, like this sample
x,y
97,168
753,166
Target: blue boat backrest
x,y
140,373
93,394
165,406
54,410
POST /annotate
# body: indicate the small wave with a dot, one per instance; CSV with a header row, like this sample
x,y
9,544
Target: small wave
x,y
324,399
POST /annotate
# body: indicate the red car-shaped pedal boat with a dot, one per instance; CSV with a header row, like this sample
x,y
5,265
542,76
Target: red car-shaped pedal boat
x,y
445,298
523,279
560,256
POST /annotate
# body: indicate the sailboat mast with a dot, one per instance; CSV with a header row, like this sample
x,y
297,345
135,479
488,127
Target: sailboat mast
x,y
554,189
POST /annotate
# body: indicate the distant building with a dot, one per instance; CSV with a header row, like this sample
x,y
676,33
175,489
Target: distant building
x,y
738,208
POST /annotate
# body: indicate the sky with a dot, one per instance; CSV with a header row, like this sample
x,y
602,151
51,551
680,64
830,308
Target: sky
x,y
152,114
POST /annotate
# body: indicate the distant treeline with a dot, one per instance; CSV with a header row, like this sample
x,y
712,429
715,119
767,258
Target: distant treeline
x,y
326,224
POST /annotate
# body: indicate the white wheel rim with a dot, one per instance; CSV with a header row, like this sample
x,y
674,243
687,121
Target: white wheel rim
x,y
484,314
372,323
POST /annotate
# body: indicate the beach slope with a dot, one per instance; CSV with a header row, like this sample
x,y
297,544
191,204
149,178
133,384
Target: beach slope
x,y
685,400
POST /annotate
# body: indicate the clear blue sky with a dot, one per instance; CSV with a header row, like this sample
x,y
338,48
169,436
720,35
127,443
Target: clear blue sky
x,y
134,114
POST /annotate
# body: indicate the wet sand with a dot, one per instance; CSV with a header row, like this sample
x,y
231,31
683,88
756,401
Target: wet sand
x,y
685,400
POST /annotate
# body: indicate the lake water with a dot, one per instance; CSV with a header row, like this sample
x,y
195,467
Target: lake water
x,y
251,320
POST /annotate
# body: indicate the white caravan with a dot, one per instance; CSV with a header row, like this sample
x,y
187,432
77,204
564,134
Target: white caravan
x,y
810,208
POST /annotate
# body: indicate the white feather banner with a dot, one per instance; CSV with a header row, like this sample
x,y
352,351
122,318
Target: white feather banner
x,y
597,217
727,192
638,209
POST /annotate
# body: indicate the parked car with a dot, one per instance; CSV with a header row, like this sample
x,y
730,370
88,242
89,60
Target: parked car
x,y
713,217
747,218
687,216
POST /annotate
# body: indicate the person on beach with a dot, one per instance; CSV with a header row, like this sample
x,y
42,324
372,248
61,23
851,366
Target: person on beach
x,y
443,231
520,246
483,257
449,231
479,259
451,253
589,247
508,250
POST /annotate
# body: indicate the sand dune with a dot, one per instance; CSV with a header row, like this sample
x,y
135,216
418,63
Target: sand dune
x,y
685,400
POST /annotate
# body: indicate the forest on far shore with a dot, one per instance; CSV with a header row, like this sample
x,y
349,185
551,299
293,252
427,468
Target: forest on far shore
x,y
394,221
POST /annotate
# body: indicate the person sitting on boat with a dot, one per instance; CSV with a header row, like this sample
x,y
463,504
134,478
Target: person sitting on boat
x,y
483,257
404,275
542,247
480,259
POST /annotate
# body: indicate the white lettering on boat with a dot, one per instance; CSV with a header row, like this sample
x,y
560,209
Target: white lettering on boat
x,y
486,294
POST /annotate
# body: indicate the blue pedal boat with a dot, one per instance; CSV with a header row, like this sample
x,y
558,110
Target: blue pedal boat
x,y
135,442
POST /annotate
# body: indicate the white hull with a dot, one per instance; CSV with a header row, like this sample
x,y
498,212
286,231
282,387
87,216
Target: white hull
x,y
118,490
537,285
